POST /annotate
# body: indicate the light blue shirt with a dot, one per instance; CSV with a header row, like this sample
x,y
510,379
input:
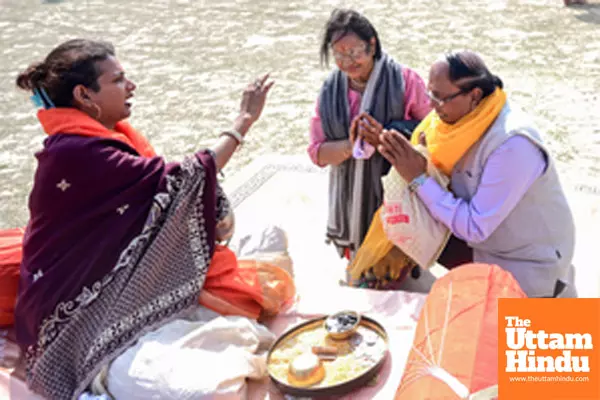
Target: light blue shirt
x,y
509,172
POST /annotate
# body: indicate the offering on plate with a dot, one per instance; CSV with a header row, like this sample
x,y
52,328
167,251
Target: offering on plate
x,y
325,353
342,325
306,370
326,350
311,359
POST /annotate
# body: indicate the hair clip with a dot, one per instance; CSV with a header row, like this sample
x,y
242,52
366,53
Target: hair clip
x,y
36,99
46,98
40,99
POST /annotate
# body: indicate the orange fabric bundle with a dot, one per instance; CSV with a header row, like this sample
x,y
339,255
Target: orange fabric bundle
x,y
245,287
10,261
455,350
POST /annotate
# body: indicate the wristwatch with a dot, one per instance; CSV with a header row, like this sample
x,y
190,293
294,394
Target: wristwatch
x,y
417,182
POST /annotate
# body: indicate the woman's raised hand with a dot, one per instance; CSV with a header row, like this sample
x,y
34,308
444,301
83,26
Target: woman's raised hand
x,y
253,102
254,97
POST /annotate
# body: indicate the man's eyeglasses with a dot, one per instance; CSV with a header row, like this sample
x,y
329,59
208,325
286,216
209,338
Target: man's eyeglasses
x,y
441,102
354,54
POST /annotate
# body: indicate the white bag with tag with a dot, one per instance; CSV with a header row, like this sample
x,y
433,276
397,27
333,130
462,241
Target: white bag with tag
x,y
407,221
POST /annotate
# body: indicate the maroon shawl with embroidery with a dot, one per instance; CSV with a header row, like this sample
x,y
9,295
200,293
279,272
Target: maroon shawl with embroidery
x,y
116,245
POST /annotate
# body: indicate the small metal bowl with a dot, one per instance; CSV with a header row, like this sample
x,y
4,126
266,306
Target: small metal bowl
x,y
342,325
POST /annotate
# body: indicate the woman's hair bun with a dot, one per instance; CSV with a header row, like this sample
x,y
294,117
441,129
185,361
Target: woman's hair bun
x,y
33,76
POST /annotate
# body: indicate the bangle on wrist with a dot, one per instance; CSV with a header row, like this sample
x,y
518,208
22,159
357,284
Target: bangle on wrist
x,y
235,135
417,182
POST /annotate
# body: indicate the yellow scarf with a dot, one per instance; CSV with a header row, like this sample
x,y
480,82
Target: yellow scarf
x,y
446,144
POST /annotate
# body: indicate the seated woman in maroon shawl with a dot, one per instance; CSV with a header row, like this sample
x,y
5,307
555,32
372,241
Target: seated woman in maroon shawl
x,y
119,241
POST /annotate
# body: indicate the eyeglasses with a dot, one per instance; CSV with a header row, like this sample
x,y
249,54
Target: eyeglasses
x,y
353,55
441,102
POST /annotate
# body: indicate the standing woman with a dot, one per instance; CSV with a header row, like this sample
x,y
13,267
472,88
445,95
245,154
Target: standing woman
x,y
365,93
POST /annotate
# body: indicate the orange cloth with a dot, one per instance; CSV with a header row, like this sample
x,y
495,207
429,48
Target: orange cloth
x,y
245,287
73,121
470,344
10,261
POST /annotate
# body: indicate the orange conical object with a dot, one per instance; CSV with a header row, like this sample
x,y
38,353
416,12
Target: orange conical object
x,y
455,349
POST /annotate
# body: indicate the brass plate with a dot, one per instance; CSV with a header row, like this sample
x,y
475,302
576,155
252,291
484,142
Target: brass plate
x,y
360,357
